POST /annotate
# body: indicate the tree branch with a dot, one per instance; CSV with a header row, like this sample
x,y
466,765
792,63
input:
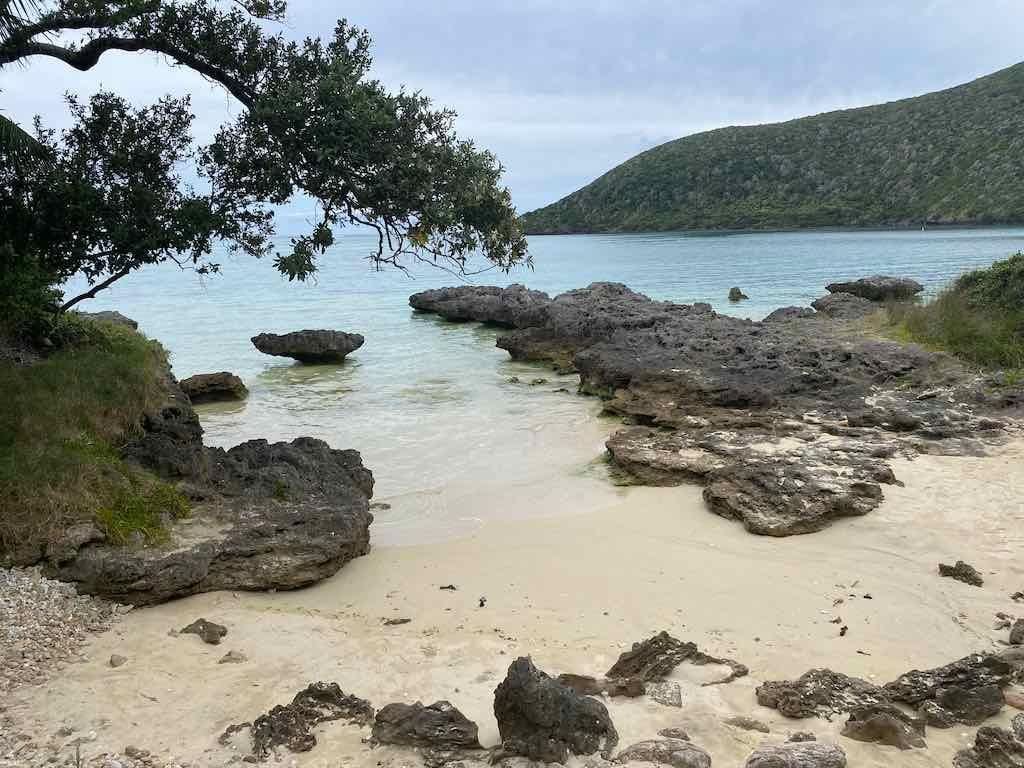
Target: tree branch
x,y
91,293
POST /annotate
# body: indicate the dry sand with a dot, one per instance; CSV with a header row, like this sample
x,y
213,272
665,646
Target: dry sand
x,y
574,591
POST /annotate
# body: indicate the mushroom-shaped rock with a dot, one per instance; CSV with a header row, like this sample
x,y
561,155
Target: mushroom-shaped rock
x,y
439,726
309,346
797,754
878,287
214,387
542,719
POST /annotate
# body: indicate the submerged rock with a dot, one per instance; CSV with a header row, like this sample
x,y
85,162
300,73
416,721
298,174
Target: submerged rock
x,y
214,387
797,754
961,571
878,287
678,753
309,346
439,726
542,719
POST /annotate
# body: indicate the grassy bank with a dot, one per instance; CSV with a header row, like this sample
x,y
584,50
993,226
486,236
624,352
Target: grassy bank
x,y
61,425
979,318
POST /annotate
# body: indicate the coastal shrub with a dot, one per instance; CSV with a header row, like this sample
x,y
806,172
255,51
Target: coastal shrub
x,y
62,423
979,318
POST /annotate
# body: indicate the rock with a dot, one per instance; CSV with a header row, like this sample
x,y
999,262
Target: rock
x,y
542,719
289,725
802,736
109,316
654,659
511,307
937,716
969,689
1017,632
439,726
117,660
679,753
789,313
819,692
747,724
735,294
962,572
884,725
878,287
585,685
843,306
993,748
674,733
213,387
667,693
65,544
309,346
808,754
208,631
233,657
280,516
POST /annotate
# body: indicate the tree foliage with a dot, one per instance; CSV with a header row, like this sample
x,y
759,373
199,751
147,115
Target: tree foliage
x,y
954,156
109,196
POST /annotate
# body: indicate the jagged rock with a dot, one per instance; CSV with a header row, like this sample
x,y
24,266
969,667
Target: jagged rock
x,y
878,287
993,748
208,631
970,689
843,306
962,572
789,313
735,294
511,307
542,719
819,692
885,724
806,754
747,723
309,346
289,725
1017,632
937,716
679,753
439,726
214,387
655,658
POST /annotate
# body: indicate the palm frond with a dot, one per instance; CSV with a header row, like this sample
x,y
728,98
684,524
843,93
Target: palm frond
x,y
17,144
14,13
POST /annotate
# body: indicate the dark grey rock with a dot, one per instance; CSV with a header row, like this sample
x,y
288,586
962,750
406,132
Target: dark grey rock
x,y
961,571
117,660
1017,632
819,692
789,313
679,753
439,726
993,748
214,387
66,543
654,659
843,306
674,733
802,736
746,723
970,689
878,287
885,724
511,307
309,346
208,631
542,719
585,685
736,294
807,754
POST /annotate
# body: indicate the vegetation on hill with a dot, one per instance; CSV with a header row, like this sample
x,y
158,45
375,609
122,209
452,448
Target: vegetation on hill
x,y
954,156
980,317
61,426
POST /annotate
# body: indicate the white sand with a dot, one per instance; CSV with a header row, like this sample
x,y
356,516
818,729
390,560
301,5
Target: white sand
x,y
574,591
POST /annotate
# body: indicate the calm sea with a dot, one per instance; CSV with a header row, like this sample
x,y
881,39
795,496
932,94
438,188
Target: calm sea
x,y
450,440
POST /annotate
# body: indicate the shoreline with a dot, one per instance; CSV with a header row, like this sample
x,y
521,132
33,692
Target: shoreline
x,y
574,591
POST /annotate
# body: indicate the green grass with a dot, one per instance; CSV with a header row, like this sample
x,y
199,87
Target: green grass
x,y
979,318
62,423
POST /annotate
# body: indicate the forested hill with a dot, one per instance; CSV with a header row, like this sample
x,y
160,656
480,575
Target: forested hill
x,y
953,156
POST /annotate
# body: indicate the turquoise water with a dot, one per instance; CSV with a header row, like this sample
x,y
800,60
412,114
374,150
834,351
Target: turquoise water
x,y
451,442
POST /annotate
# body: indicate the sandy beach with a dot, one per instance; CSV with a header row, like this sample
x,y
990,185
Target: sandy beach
x,y
573,591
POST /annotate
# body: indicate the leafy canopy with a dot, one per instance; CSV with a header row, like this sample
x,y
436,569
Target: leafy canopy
x,y
108,196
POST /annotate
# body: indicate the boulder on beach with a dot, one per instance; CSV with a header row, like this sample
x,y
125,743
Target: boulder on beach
x,y
797,754
844,306
878,288
678,753
309,346
438,726
214,387
736,294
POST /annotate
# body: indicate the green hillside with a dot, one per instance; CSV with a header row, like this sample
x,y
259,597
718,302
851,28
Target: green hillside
x,y
952,157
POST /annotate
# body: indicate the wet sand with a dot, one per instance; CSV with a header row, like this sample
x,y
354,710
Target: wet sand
x,y
574,591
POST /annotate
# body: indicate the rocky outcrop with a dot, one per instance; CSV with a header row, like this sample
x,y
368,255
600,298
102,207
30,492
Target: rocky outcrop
x,y
844,306
439,726
969,690
678,753
878,288
542,719
788,313
806,754
214,387
110,316
885,724
511,307
994,747
309,346
736,294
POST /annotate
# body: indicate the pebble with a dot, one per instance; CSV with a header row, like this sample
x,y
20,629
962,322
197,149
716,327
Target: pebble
x,y
116,660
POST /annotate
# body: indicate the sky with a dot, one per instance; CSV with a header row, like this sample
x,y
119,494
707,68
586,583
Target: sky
x,y
563,90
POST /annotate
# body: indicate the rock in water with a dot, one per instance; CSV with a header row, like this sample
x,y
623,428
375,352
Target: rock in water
x,y
799,754
735,294
878,287
214,387
962,572
511,307
439,726
309,346
208,631
542,719
678,753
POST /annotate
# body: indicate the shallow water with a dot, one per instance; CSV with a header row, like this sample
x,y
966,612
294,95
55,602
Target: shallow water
x,y
428,403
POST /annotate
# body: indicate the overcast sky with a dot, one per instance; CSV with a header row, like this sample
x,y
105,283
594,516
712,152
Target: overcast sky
x,y
562,90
